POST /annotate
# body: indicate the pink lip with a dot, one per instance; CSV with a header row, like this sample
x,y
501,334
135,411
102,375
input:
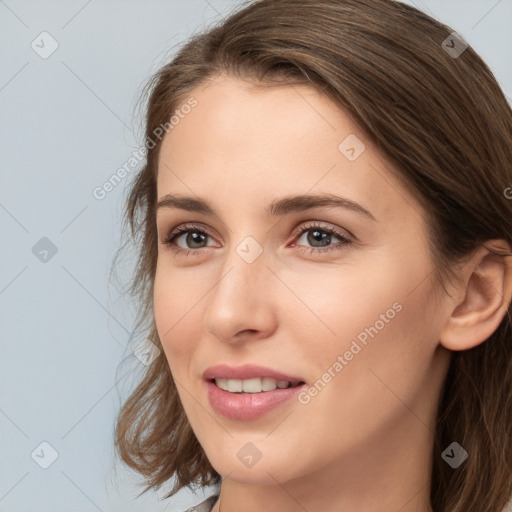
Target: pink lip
x,y
246,371
247,406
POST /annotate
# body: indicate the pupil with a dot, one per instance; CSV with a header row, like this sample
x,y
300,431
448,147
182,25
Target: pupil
x,y
195,238
319,236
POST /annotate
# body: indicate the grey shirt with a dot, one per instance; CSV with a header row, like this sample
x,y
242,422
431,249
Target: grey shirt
x,y
207,505
204,506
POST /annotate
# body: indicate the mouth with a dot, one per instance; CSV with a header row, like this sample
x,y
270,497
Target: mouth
x,y
250,397
254,385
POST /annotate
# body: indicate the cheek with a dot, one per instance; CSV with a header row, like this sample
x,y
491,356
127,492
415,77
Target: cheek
x,y
176,308
381,362
366,327
333,306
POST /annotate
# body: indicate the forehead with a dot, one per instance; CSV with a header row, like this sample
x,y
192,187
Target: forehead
x,y
247,145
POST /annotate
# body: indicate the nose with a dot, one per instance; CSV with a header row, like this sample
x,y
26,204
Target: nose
x,y
240,305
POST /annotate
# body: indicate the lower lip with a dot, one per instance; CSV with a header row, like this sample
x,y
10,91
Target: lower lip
x,y
248,406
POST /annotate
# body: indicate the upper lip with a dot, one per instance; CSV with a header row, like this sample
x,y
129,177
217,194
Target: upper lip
x,y
246,371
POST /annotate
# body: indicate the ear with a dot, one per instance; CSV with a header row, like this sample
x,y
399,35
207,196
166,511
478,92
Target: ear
x,y
483,297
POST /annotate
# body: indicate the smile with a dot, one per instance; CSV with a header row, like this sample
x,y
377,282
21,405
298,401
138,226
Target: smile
x,y
255,385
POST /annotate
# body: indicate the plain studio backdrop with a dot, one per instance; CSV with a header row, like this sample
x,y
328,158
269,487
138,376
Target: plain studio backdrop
x,y
70,75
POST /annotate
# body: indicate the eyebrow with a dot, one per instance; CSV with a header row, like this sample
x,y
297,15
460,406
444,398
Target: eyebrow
x,y
278,207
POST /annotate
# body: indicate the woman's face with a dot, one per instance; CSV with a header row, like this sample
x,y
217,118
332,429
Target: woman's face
x,y
338,297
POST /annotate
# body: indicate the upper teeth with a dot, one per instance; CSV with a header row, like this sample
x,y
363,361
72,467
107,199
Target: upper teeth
x,y
256,385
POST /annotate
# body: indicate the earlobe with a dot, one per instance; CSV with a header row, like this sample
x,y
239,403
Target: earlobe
x,y
486,290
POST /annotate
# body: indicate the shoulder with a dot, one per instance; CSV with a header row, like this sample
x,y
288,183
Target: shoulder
x,y
204,506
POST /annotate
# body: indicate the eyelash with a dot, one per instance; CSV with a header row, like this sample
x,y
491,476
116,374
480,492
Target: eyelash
x,y
190,228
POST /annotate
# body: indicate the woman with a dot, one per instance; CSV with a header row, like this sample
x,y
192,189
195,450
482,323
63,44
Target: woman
x,y
325,232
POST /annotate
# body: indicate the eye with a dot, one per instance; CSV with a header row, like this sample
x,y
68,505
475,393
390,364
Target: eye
x,y
191,234
194,238
315,233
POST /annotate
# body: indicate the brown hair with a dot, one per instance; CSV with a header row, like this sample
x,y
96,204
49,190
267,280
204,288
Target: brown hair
x,y
446,126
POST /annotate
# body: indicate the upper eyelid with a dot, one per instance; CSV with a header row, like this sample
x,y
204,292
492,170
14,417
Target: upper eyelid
x,y
304,227
301,228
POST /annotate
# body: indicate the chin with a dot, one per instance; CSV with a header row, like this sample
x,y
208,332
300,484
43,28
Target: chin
x,y
261,473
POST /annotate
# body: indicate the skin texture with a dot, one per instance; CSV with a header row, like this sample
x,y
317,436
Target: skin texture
x,y
363,442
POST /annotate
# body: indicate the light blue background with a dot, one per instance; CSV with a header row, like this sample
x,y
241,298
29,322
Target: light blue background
x,y
67,124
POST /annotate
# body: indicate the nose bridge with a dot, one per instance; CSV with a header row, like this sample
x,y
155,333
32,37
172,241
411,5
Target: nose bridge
x,y
239,299
241,274
244,264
